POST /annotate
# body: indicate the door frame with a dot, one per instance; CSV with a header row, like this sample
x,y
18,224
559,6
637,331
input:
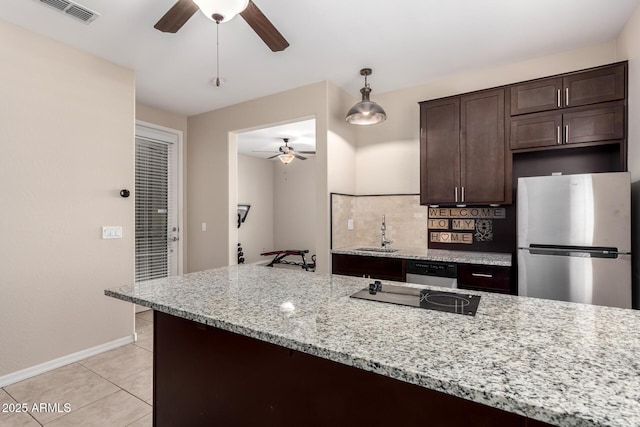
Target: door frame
x,y
162,133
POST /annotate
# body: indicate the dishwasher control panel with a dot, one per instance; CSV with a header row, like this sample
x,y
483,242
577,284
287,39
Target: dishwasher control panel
x,y
432,268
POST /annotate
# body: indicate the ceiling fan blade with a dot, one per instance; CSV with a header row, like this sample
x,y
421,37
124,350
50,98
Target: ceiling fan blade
x,y
264,28
177,16
273,157
306,152
298,156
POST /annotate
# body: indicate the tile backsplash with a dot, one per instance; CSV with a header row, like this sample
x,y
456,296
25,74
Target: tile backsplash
x,y
411,225
406,220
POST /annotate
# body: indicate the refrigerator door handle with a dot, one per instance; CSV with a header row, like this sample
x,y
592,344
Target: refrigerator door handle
x,y
576,251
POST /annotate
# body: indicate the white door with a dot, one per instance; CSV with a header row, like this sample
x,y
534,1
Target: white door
x,y
157,231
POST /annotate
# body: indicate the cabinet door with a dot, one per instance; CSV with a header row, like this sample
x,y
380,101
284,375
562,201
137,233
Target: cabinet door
x,y
482,147
368,266
541,95
600,124
439,151
484,278
539,131
595,86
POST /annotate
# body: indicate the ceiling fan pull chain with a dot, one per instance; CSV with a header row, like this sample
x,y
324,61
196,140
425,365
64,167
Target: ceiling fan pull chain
x,y
217,53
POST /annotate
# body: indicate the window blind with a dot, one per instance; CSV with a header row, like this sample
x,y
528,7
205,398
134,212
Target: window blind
x,y
154,211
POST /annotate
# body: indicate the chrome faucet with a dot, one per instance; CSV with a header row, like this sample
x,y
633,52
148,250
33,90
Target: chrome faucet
x,y
384,242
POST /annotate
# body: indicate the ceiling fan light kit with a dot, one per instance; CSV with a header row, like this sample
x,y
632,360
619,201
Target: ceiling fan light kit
x,y
286,154
286,158
222,11
227,9
366,112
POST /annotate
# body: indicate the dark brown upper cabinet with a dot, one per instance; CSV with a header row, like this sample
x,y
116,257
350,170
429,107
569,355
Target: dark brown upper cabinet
x,y
440,151
541,95
573,90
605,123
600,124
462,150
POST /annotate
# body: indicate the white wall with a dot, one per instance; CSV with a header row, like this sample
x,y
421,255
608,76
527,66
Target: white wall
x,y
294,216
66,150
256,188
387,157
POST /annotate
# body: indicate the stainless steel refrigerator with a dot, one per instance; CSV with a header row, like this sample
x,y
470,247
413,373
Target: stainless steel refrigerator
x,y
574,238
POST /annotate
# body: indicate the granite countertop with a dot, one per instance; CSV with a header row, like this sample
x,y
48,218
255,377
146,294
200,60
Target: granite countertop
x,y
462,257
563,363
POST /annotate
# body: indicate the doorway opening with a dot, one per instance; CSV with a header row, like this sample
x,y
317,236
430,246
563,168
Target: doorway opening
x,y
277,177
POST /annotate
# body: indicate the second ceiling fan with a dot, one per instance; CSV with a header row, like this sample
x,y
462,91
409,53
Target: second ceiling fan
x,y
286,153
221,11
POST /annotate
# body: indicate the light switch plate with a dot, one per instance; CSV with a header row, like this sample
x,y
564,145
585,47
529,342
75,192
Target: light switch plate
x,y
350,224
111,232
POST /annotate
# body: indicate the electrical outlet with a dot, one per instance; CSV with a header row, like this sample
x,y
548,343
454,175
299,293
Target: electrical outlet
x,y
111,232
350,224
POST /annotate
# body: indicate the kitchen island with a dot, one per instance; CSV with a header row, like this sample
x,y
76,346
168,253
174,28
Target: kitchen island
x,y
278,345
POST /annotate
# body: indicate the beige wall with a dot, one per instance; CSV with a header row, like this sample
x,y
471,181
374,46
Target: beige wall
x,y
66,149
162,118
294,205
177,122
629,49
212,171
387,157
256,187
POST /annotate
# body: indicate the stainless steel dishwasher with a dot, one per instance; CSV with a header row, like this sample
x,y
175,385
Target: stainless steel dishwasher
x,y
434,273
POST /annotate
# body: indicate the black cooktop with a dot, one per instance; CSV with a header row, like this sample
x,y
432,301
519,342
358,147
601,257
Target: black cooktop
x,y
450,302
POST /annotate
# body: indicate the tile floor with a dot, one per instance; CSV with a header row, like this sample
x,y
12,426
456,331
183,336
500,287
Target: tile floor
x,y
111,389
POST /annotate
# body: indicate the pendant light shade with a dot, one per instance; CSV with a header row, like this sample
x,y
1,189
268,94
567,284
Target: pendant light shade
x,y
366,112
225,8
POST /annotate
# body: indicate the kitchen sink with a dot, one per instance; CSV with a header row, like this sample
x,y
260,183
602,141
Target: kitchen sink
x,y
377,249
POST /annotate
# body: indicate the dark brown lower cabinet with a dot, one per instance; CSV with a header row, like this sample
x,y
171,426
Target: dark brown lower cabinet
x,y
490,278
205,376
369,266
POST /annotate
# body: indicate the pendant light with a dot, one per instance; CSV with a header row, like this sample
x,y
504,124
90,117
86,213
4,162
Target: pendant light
x,y
366,112
226,9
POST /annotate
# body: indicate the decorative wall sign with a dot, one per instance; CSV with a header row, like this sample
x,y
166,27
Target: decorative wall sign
x,y
450,222
463,224
484,230
465,238
467,213
438,224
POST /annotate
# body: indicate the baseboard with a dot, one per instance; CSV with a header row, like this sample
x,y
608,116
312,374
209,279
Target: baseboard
x,y
62,361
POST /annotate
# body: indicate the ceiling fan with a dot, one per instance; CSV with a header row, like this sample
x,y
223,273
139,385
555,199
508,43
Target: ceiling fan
x,y
222,11
286,154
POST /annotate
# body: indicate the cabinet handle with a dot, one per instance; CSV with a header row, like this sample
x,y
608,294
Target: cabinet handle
x,y
558,140
566,134
456,193
488,276
463,194
566,96
559,98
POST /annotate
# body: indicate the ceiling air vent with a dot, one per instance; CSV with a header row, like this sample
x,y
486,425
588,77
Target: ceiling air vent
x,y
72,9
